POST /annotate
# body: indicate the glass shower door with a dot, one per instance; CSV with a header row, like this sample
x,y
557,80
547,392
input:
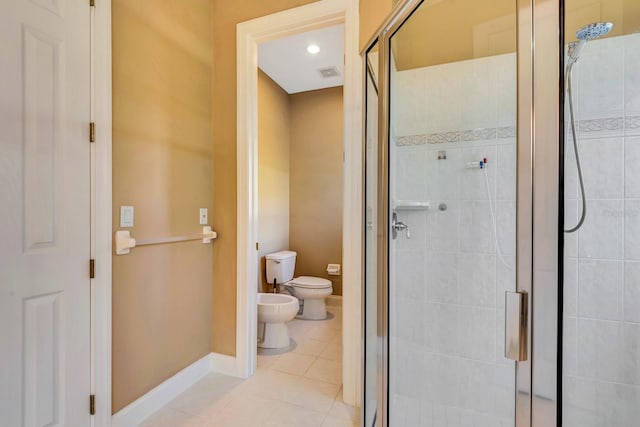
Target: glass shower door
x,y
452,214
461,172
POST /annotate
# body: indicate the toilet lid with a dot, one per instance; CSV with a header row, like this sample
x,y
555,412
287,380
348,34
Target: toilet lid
x,y
280,255
310,282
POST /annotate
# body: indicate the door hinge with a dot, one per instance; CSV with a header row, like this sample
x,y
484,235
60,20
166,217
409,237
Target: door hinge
x,y
92,132
92,404
257,246
92,269
92,3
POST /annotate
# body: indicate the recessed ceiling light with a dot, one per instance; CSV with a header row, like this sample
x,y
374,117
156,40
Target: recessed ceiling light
x,y
313,49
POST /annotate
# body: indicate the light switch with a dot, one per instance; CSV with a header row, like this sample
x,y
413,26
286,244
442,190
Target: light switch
x,y
126,216
204,216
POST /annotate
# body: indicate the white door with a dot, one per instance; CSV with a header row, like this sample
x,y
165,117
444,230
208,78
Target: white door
x,y
45,370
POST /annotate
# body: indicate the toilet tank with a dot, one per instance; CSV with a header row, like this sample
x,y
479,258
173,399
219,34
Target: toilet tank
x,y
280,265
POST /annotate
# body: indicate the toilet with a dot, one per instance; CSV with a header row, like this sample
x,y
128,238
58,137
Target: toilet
x,y
311,291
274,310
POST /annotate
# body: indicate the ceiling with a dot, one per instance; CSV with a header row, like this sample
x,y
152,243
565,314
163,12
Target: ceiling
x,y
288,63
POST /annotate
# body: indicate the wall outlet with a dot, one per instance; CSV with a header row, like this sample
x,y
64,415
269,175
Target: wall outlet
x,y
204,216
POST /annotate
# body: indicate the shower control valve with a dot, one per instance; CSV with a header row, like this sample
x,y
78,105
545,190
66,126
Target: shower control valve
x,y
398,226
481,164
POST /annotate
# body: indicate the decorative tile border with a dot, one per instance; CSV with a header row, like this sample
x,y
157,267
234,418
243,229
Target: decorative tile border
x,y
600,125
507,132
469,135
411,140
632,124
616,125
443,137
586,128
479,134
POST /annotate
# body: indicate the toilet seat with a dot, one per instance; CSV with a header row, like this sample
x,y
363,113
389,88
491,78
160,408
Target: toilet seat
x,y
309,282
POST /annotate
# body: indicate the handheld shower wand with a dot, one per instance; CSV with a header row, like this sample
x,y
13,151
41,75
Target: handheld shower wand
x,y
584,34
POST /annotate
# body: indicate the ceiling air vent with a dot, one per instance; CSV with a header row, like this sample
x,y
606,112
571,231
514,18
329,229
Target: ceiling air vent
x,y
329,72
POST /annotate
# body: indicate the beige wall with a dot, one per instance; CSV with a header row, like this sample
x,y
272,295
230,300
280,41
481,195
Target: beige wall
x,y
226,16
471,28
161,165
624,14
372,15
316,182
273,171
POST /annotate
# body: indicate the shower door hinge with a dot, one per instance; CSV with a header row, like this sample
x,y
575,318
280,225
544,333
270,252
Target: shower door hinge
x,y
92,404
92,132
92,269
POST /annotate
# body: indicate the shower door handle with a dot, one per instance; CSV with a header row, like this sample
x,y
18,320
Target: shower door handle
x,y
516,326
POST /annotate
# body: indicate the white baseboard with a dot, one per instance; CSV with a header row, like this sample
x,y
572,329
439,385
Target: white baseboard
x,y
225,365
145,406
140,409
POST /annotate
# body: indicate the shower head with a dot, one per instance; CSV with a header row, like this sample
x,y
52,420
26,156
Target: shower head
x,y
584,34
593,31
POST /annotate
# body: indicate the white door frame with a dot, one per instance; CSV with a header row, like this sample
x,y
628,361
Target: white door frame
x,y
101,210
249,34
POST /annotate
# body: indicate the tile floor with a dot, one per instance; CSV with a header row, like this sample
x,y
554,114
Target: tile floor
x,y
297,389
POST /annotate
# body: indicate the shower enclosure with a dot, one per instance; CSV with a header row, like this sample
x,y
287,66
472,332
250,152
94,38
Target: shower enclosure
x,y
502,241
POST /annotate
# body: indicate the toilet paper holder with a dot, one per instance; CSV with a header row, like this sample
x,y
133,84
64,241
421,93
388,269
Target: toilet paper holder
x,y
333,269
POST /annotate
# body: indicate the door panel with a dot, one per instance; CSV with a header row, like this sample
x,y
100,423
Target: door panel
x,y
452,147
45,213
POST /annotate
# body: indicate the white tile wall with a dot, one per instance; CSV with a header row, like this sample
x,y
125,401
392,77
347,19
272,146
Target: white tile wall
x,y
447,327
632,229
631,169
478,276
600,285
443,283
602,272
601,73
603,167
601,235
631,75
444,335
632,291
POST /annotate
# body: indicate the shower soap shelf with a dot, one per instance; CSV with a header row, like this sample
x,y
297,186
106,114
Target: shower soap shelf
x,y
412,205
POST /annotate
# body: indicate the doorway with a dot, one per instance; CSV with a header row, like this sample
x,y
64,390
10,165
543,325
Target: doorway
x,y
250,34
300,145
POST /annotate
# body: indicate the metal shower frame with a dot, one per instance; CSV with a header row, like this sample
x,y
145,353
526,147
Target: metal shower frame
x,y
539,206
